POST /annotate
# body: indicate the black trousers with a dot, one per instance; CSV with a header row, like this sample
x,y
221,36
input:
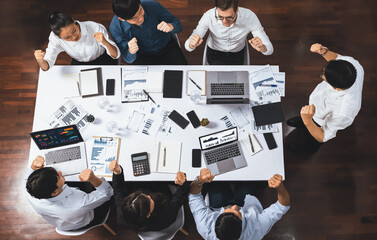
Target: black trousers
x,y
308,142
215,57
170,55
104,59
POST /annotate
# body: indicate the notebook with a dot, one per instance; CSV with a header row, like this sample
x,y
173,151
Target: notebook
x,y
172,84
63,149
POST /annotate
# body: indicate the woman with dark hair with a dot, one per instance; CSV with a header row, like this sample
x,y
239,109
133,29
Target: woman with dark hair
x,y
147,206
87,43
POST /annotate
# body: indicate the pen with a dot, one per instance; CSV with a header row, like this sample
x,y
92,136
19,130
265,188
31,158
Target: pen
x,y
164,164
195,83
269,85
251,143
149,96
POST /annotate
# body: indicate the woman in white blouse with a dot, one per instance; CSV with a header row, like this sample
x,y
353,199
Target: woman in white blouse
x,y
86,42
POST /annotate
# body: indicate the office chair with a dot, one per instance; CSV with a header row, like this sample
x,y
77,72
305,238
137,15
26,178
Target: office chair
x,y
84,230
246,60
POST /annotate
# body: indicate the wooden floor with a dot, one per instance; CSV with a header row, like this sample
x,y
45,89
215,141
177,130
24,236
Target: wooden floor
x,y
334,192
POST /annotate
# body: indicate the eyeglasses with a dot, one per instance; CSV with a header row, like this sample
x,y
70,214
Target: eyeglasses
x,y
228,19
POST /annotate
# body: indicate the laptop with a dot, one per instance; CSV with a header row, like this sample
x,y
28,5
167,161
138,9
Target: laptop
x,y
222,152
227,87
63,149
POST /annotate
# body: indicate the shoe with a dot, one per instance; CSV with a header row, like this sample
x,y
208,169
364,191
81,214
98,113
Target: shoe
x,y
295,122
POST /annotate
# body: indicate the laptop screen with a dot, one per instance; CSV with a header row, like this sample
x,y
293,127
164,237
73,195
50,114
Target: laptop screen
x,y
218,138
56,137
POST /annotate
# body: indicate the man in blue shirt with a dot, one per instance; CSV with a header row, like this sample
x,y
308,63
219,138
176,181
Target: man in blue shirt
x,y
233,222
144,32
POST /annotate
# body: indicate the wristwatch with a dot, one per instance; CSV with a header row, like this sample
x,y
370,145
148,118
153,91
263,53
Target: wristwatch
x,y
326,50
197,181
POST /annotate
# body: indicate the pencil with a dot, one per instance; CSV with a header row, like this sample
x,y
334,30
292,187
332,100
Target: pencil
x,y
164,164
251,143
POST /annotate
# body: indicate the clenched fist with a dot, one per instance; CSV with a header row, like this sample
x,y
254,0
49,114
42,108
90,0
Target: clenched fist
x,y
195,41
132,46
165,27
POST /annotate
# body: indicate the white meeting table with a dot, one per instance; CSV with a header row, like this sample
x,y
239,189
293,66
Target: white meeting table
x,y
50,96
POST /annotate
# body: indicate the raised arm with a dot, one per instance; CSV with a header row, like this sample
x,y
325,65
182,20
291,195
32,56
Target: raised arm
x,y
323,51
167,17
204,177
122,39
199,32
103,38
276,182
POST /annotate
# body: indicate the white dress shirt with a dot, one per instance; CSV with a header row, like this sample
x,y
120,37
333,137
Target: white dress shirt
x,y
256,222
233,38
72,208
336,110
85,50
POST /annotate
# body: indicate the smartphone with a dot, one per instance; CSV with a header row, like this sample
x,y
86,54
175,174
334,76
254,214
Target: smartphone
x,y
196,158
110,86
270,140
193,119
178,119
140,164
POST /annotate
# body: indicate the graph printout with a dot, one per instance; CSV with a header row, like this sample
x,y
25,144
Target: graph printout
x,y
104,151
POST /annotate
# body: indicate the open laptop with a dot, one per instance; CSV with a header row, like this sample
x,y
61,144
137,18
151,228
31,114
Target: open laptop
x,y
222,152
63,149
227,87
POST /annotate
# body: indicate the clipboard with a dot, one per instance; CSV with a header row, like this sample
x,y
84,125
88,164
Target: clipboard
x,y
104,150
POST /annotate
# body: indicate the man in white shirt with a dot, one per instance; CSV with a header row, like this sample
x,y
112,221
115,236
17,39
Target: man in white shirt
x,y
334,103
249,222
229,26
64,207
88,43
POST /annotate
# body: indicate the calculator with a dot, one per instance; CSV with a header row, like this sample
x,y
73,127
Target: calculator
x,y
140,163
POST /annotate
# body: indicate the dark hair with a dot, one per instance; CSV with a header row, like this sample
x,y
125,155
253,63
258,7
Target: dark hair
x,y
42,182
226,4
126,9
59,20
136,207
340,74
228,226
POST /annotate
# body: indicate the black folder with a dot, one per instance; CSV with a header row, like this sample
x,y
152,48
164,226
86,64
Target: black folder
x,y
268,113
172,84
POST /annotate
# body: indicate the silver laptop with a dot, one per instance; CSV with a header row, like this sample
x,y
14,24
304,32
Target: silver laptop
x,y
63,149
222,152
227,87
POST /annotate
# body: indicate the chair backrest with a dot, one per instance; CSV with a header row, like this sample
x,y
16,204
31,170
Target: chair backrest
x,y
246,60
83,230
175,36
167,233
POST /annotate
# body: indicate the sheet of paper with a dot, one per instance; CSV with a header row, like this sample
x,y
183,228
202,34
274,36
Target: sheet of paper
x,y
263,84
280,79
88,82
104,151
135,121
155,82
133,82
198,77
68,114
70,85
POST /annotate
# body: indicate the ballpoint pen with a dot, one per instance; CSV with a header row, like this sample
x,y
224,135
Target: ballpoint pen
x,y
149,96
164,164
269,85
251,143
195,83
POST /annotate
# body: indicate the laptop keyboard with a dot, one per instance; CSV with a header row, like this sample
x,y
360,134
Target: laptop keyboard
x,y
63,155
227,88
219,154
